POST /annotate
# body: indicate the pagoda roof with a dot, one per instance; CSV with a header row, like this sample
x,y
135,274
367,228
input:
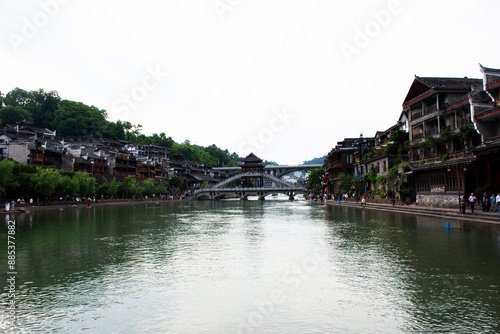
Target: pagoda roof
x,y
252,158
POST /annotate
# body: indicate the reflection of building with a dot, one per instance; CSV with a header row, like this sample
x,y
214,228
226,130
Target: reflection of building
x,y
252,164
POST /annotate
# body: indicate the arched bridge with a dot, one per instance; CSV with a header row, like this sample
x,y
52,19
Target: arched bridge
x,y
274,186
244,193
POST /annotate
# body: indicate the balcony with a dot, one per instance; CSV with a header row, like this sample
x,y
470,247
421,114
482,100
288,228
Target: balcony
x,y
417,136
416,114
430,110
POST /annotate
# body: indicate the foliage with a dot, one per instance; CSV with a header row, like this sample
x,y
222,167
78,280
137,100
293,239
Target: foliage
x,y
72,118
346,183
430,142
315,161
398,145
371,176
467,132
75,118
446,136
7,179
45,181
129,186
315,178
13,114
175,181
148,187
205,185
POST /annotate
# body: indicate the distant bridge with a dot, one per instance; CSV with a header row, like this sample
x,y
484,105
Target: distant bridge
x,y
277,171
277,186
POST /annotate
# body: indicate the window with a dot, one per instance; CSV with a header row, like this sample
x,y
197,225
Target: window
x,y
437,183
422,184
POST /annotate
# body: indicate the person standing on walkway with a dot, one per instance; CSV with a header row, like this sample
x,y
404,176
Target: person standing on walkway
x,y
463,204
498,202
472,200
486,203
493,202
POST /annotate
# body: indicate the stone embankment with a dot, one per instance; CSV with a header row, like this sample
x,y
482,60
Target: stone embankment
x,y
447,213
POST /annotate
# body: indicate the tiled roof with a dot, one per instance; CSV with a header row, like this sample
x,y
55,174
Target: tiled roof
x,y
252,158
438,83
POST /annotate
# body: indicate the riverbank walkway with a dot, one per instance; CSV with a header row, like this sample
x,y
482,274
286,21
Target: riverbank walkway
x,y
447,213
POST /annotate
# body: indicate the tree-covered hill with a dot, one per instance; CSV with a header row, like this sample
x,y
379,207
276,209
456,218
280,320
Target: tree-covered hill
x,y
78,120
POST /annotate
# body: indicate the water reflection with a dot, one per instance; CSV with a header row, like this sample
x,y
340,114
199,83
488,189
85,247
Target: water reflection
x,y
252,266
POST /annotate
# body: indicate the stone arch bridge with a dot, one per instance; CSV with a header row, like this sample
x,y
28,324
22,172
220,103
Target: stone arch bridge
x,y
276,186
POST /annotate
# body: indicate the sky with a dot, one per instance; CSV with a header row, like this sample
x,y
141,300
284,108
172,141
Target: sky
x,y
284,79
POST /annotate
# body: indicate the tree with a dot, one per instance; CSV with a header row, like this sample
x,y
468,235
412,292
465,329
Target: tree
x,y
69,185
315,178
175,181
8,181
74,118
162,187
45,181
87,183
149,187
11,115
40,104
129,185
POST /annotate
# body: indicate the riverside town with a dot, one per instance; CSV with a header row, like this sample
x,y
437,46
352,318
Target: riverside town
x,y
443,146
109,230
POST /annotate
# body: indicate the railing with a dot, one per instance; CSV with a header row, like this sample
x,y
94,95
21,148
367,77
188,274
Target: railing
x,y
416,114
430,110
488,140
431,131
417,136
249,190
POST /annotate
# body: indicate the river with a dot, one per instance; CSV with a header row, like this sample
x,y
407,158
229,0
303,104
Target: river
x,y
231,266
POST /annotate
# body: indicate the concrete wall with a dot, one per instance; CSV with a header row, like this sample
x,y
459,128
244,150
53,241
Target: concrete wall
x,y
19,152
438,200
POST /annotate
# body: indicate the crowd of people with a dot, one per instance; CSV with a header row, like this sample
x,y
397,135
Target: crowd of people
x,y
488,203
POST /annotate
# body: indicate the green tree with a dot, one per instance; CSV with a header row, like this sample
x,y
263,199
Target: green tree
x,y
129,185
75,118
69,185
175,181
40,104
103,188
162,187
45,181
315,178
11,115
8,182
149,187
114,187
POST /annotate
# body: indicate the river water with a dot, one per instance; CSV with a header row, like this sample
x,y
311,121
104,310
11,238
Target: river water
x,y
233,266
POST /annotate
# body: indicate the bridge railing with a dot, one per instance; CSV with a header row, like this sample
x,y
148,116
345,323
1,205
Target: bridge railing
x,y
252,190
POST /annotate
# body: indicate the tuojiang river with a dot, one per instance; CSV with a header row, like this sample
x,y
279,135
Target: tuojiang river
x,y
231,266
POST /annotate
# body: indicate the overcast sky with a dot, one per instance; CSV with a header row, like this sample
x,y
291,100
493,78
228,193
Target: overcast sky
x,y
285,79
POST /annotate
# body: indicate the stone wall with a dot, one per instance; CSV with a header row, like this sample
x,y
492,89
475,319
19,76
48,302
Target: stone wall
x,y
437,201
